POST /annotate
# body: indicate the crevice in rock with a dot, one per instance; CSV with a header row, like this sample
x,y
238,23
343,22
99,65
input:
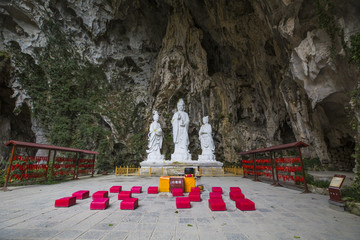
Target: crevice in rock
x,y
286,133
15,124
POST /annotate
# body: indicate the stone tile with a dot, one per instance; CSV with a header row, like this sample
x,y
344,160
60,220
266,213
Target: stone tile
x,y
92,234
29,234
211,235
235,236
104,226
139,235
115,235
203,221
159,235
146,227
188,228
70,234
166,227
185,220
125,226
186,235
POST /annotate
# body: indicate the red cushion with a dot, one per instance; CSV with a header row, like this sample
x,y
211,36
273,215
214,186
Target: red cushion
x,y
216,195
236,195
65,202
235,189
245,204
182,202
129,204
152,190
115,189
177,192
99,204
194,197
217,189
124,195
136,189
100,194
195,189
82,194
217,205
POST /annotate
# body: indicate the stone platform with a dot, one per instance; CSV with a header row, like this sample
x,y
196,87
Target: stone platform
x,y
173,168
28,212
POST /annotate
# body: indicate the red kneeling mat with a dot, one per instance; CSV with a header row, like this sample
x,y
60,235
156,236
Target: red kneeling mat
x,y
115,189
99,204
82,194
136,189
195,189
177,192
129,204
100,194
217,189
182,202
215,195
124,195
152,190
65,202
235,189
194,197
245,204
236,195
217,205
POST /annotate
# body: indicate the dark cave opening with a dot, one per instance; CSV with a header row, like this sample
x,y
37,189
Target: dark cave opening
x,y
287,134
15,122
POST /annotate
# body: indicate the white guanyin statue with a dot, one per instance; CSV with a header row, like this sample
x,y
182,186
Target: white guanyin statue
x,y
206,141
155,140
180,124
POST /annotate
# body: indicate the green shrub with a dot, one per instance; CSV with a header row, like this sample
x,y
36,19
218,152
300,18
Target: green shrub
x,y
317,183
351,193
312,164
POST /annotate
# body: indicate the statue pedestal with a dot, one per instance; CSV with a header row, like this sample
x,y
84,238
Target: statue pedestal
x,y
207,157
174,168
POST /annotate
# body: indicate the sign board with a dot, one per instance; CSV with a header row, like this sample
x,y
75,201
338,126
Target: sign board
x,y
337,181
334,188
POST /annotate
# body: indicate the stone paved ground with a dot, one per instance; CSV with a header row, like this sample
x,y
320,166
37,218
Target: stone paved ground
x,y
282,213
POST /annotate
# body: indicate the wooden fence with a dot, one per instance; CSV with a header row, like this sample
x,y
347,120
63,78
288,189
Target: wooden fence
x,y
206,172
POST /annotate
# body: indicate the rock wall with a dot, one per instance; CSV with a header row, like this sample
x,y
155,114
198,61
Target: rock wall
x,y
264,71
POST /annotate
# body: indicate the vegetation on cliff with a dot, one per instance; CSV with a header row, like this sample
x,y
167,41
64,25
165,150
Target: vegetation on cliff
x,y
70,95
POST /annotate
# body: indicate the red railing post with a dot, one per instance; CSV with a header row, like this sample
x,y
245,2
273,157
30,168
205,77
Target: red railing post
x,y
277,184
255,172
303,172
76,168
9,168
93,168
53,163
272,159
47,165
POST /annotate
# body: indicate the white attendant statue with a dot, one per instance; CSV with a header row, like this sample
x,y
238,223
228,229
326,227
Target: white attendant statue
x,y
180,124
206,141
155,140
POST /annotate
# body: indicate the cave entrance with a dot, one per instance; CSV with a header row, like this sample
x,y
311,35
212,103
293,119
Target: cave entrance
x,y
338,132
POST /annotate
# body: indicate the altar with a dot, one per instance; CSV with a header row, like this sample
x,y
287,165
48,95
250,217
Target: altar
x,y
164,183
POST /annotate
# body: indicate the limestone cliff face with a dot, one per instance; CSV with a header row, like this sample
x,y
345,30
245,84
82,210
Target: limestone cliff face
x,y
264,71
